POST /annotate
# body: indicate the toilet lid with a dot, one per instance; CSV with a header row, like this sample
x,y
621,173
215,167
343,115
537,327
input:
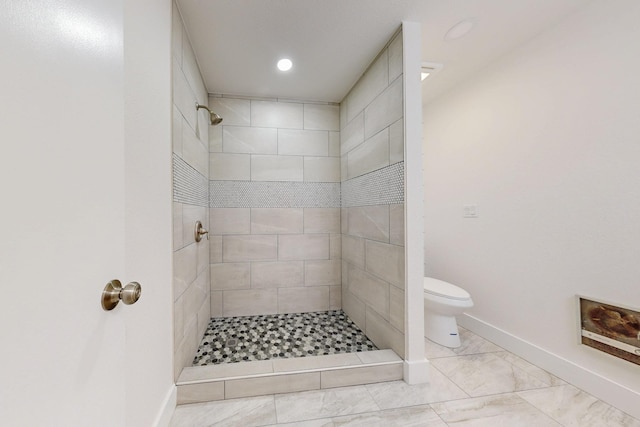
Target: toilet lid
x,y
444,289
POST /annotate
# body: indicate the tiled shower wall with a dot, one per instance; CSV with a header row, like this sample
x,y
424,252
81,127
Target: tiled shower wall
x,y
372,169
190,199
274,207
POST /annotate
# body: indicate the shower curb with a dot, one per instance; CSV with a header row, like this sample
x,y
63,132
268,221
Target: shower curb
x,y
258,378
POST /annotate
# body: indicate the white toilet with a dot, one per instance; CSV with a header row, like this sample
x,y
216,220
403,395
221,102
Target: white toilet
x,y
442,302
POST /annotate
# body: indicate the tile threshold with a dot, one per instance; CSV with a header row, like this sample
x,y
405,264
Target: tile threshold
x,y
320,371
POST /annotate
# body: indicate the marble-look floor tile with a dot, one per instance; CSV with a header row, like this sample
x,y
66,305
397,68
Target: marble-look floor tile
x,y
533,370
255,411
397,394
471,343
416,416
573,407
435,351
322,422
502,410
323,404
486,373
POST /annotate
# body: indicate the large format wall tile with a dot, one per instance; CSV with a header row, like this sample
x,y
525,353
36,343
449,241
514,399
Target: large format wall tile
x,y
240,139
276,220
249,248
395,58
280,274
298,142
215,249
184,268
215,139
230,221
380,331
234,112
396,308
194,151
384,110
396,142
321,169
353,250
305,299
248,302
335,246
322,273
303,246
369,289
374,82
322,220
191,214
230,275
276,168
370,222
183,96
372,155
229,167
396,224
334,144
352,135
288,115
385,261
322,117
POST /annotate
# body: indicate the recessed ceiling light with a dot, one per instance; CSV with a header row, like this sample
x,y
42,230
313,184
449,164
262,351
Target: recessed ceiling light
x,y
285,64
459,30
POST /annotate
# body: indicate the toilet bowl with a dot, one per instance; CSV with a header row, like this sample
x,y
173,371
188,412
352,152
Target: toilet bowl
x,y
442,302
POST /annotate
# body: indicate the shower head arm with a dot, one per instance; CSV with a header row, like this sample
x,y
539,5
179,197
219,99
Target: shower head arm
x,y
199,106
214,118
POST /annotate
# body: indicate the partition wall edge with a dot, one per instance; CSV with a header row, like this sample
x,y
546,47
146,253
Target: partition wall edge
x,y
416,366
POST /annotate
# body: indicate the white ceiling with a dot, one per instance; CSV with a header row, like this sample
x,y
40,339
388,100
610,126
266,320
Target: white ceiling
x,y
331,42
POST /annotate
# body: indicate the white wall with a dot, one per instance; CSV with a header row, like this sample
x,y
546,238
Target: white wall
x,y
150,391
545,142
85,180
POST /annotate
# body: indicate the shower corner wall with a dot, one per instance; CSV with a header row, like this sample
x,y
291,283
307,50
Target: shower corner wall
x,y
275,207
191,271
372,171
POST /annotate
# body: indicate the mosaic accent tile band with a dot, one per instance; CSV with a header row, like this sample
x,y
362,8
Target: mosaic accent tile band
x,y
381,187
277,336
189,185
275,194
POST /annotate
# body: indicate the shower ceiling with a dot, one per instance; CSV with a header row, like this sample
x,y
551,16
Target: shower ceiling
x,y
238,42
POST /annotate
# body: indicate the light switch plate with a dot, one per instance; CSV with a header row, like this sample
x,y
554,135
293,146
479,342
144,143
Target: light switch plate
x,y
470,211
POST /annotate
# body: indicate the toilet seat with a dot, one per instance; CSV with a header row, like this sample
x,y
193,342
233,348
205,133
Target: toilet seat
x,y
444,289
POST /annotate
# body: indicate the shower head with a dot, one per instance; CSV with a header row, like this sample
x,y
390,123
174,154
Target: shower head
x,y
214,118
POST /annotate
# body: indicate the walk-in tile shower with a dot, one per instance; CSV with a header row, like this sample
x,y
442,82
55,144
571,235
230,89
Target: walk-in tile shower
x,y
304,206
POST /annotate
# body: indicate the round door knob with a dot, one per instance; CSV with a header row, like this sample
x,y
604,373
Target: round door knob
x,y
113,293
131,293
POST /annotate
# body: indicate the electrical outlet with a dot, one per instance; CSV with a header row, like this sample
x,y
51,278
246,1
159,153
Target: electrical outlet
x,y
470,211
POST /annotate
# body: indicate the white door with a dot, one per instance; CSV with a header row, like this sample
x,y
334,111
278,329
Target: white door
x,y
63,221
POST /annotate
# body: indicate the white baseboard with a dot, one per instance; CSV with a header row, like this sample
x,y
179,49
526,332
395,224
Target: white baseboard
x,y
593,383
416,372
168,407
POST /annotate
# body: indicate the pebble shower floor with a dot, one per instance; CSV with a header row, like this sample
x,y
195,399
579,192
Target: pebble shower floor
x,y
278,336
